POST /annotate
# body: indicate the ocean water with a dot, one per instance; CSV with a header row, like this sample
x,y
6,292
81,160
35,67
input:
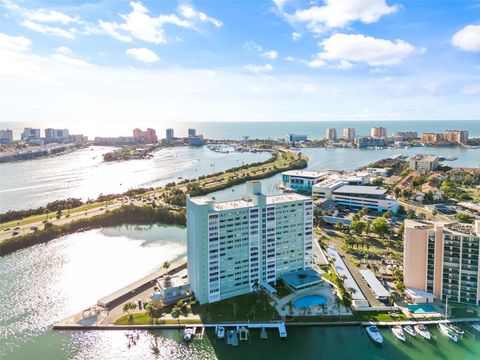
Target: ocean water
x,y
256,130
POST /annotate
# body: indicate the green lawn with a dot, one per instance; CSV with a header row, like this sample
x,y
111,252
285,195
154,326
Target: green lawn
x,y
249,307
144,319
378,316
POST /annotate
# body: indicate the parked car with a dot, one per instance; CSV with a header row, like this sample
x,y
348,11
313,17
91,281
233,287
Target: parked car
x,y
15,233
7,229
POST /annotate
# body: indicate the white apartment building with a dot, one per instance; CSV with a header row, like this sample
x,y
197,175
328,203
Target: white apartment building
x,y
6,136
236,244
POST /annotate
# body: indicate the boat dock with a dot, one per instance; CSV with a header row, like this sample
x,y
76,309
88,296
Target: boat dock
x,y
280,326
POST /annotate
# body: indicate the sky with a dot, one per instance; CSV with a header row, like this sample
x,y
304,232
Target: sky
x,y
219,60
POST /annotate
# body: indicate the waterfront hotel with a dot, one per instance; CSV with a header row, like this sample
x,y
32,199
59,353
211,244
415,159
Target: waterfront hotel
x,y
442,259
234,245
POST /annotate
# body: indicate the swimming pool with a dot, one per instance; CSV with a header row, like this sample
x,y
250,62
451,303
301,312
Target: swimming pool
x,y
309,300
421,309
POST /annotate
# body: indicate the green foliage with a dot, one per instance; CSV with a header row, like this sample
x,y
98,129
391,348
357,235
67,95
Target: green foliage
x,y
358,226
464,218
380,226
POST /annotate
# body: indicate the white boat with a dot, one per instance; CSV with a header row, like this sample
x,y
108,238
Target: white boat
x,y
422,331
475,326
447,332
409,330
455,329
220,332
187,334
243,333
374,334
398,332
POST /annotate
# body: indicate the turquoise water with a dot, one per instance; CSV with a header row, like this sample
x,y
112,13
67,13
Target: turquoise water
x,y
422,309
46,283
310,300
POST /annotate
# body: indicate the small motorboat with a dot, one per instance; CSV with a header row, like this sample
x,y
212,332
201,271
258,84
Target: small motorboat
x,y
220,332
422,331
243,333
447,332
409,330
475,326
374,334
398,332
455,329
187,334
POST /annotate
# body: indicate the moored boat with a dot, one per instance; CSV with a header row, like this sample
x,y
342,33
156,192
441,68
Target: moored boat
x,y
243,333
374,334
475,326
220,332
398,332
447,332
422,331
187,334
457,330
409,330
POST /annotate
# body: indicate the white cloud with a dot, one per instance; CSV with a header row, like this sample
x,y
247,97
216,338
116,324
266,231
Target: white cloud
x,y
339,13
141,25
49,30
259,68
16,43
272,54
66,56
289,58
296,36
468,39
144,55
42,15
190,13
471,89
344,65
252,46
316,63
360,48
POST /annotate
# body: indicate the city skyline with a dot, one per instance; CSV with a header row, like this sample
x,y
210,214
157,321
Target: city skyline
x,y
291,61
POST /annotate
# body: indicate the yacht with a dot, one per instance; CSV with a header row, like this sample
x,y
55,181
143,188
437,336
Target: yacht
x,y
187,334
398,332
422,331
447,332
374,333
409,330
220,332
455,329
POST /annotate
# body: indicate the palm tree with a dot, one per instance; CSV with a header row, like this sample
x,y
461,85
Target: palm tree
x,y
129,306
153,311
338,303
323,307
290,305
166,265
176,311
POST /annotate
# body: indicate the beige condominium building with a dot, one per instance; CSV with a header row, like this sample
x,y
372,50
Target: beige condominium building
x,y
442,259
349,134
378,132
456,136
423,162
331,134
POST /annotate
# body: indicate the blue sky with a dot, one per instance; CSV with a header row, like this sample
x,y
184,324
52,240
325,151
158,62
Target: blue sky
x,y
239,60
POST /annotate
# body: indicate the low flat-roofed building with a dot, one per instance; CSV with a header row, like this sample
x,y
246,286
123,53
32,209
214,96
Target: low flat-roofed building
x,y
172,289
360,197
302,180
302,279
417,296
358,299
424,162
377,288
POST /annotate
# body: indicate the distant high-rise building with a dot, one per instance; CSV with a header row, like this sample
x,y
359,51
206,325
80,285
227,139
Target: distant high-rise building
x,y
331,134
6,136
192,132
456,136
235,246
349,134
405,135
432,138
378,132
56,135
30,134
146,137
170,136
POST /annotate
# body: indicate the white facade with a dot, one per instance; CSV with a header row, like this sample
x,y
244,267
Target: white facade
x,y
331,134
6,136
236,244
30,134
349,134
422,162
